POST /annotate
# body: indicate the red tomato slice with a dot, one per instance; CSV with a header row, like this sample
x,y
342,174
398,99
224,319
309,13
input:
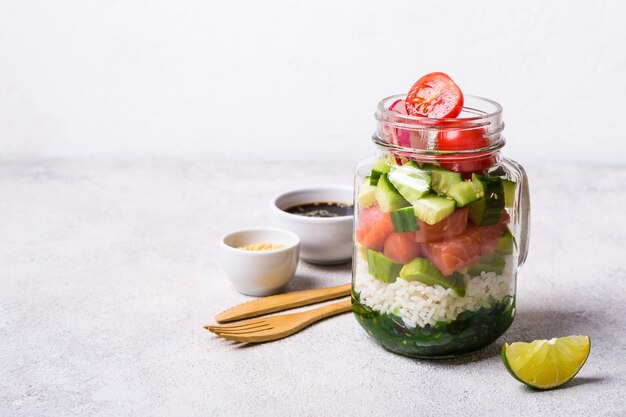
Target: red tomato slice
x,y
477,163
434,95
407,137
401,137
402,247
398,106
451,140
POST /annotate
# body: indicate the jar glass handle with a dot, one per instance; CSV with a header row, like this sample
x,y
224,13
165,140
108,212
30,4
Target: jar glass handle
x,y
525,216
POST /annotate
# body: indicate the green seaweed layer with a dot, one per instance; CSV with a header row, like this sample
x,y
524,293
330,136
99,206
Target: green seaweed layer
x,y
470,331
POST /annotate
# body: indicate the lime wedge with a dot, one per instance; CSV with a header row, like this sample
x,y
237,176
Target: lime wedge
x,y
546,364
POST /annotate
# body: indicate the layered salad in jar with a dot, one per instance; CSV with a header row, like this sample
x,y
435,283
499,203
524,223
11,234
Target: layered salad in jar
x,y
436,252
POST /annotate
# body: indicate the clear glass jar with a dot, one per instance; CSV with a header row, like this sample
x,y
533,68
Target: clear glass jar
x,y
441,229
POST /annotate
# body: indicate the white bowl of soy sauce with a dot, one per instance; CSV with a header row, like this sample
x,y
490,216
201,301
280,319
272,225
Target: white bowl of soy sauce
x,y
323,218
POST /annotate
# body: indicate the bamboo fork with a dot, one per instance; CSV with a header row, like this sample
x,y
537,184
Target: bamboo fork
x,y
281,302
277,327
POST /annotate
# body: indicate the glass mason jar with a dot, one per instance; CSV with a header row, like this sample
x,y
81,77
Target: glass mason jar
x,y
441,229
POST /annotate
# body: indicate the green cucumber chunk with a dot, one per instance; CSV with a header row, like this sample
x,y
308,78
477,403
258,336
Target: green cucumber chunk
x,y
380,167
381,267
488,209
432,208
367,194
509,192
422,270
506,243
463,193
490,263
443,178
411,182
388,197
404,220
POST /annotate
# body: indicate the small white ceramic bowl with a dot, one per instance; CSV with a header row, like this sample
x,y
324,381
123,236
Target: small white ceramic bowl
x,y
260,273
325,240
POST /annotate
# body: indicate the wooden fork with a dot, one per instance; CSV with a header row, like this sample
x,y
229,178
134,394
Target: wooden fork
x,y
280,302
277,327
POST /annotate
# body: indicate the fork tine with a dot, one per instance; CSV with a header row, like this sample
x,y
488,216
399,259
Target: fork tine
x,y
236,338
220,328
241,325
243,332
247,338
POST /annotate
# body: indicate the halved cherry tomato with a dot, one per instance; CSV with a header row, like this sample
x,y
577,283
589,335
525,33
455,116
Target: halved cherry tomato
x,y
398,106
451,140
434,95
407,137
400,136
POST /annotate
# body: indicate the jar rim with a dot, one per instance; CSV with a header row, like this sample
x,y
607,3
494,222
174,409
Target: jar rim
x,y
383,109
483,113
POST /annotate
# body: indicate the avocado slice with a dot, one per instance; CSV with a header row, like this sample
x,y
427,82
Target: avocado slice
x,y
422,270
506,243
367,194
381,267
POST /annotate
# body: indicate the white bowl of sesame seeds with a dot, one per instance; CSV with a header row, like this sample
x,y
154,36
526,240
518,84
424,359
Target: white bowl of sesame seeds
x,y
260,262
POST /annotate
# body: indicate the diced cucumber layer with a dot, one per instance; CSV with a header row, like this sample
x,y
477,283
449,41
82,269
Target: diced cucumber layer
x,y
506,243
387,196
491,263
443,179
509,192
411,182
432,208
381,267
463,193
380,167
367,194
422,270
488,209
404,220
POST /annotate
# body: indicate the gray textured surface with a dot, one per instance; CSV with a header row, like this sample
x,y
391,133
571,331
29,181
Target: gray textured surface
x,y
109,269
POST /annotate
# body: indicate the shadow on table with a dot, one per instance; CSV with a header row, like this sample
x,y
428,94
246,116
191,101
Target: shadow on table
x,y
578,381
528,325
547,323
532,324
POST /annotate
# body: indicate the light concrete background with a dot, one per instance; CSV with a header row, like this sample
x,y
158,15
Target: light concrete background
x,y
134,134
108,270
277,80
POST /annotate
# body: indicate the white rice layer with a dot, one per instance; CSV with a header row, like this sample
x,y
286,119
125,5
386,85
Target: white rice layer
x,y
418,304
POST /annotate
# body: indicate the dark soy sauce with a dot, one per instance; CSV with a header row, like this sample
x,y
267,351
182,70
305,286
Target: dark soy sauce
x,y
323,209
